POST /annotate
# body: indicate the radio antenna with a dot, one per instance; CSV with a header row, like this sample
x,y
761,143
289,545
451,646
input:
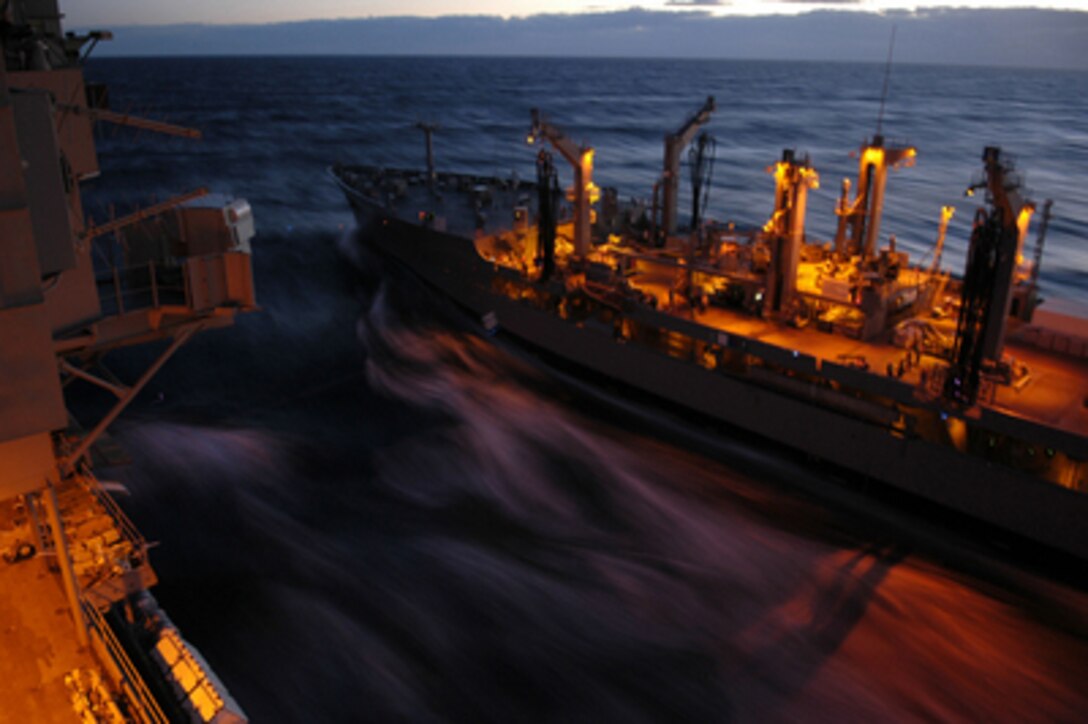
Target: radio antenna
x,y
887,77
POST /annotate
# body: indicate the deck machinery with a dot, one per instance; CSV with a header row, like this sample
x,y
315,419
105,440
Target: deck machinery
x,y
851,286
75,572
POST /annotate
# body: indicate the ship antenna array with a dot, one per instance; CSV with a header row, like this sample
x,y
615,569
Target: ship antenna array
x,y
887,77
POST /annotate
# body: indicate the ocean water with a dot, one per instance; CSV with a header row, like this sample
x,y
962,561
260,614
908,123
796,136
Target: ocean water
x,y
272,125
370,513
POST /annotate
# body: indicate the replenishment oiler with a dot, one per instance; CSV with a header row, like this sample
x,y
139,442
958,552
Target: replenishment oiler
x,y
955,389
81,637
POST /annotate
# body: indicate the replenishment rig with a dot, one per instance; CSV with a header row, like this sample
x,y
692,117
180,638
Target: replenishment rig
x,y
81,637
954,389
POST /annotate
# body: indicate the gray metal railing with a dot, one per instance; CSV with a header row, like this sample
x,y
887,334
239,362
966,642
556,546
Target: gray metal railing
x,y
147,709
142,286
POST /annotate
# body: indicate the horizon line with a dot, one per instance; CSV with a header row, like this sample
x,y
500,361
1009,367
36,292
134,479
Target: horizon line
x,y
632,58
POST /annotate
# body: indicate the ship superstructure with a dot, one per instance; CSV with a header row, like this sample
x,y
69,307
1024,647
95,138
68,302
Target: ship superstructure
x,y
953,388
81,638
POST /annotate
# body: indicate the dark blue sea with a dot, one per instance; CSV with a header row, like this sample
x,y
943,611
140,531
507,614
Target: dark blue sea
x,y
370,512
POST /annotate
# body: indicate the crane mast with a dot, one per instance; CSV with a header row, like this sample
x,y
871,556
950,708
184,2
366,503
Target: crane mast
x,y
859,220
675,143
581,160
989,279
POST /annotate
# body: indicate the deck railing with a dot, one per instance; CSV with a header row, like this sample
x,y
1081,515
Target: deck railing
x,y
124,525
142,286
145,707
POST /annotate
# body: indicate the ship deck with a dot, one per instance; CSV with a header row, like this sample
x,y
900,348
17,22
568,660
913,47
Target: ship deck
x,y
38,645
459,203
1055,393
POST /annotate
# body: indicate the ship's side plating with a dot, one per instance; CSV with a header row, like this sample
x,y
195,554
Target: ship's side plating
x,y
76,571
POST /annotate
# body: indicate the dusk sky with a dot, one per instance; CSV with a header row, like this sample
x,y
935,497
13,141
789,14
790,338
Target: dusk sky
x,y
141,12
972,33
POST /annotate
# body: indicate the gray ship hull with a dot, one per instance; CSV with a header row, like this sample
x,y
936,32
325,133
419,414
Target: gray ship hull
x,y
843,432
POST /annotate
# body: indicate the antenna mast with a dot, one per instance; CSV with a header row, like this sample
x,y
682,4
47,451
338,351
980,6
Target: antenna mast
x,y
887,77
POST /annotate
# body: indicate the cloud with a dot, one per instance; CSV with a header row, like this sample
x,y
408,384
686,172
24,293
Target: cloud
x,y
694,3
1014,37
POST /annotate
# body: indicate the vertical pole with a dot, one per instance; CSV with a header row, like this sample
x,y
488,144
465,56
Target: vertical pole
x,y
1032,300
942,232
187,281
887,77
117,291
1007,204
67,574
154,284
843,212
672,184
430,156
875,207
428,132
803,178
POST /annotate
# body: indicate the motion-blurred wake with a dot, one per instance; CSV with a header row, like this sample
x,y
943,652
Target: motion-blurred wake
x,y
507,558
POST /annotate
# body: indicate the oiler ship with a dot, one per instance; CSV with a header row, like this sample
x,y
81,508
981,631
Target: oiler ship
x,y
81,636
955,389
